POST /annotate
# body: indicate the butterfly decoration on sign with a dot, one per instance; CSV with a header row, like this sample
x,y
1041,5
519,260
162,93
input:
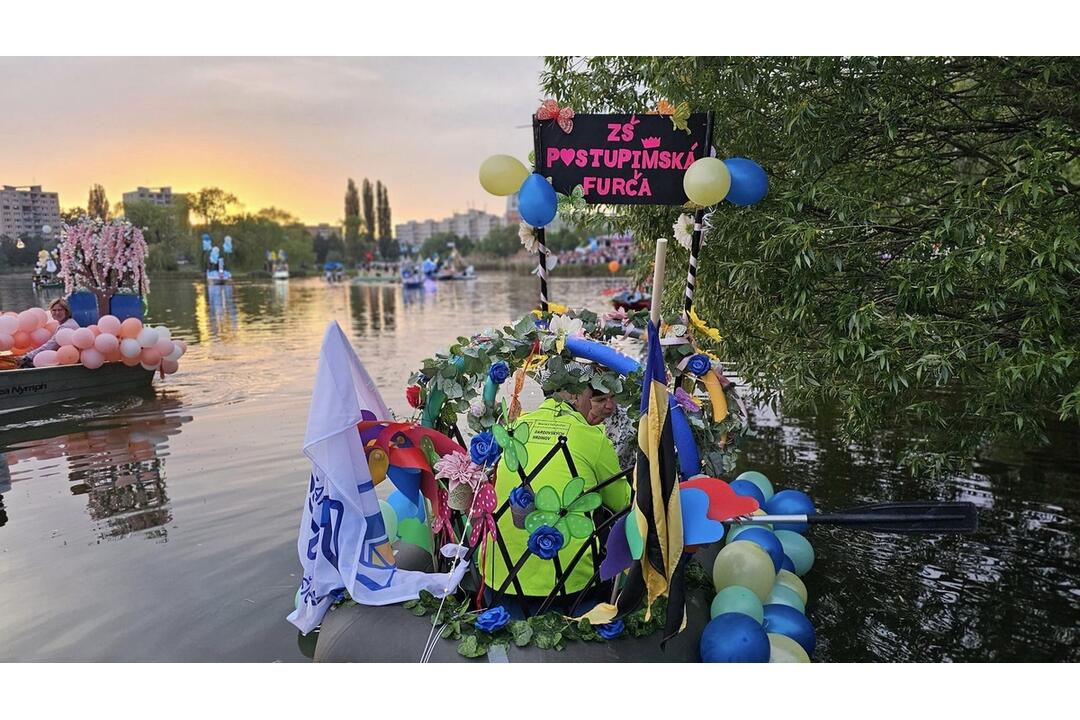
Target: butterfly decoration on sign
x,y
513,446
565,514
571,202
681,116
550,110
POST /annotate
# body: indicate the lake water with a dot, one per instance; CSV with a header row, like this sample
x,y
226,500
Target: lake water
x,y
162,527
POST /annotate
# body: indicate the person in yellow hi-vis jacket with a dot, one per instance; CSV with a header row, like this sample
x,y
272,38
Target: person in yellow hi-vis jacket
x,y
579,418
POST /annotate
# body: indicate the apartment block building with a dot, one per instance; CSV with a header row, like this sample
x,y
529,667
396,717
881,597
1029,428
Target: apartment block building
x,y
26,210
157,196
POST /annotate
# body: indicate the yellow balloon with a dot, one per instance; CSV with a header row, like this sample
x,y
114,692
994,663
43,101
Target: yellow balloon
x,y
792,581
707,181
783,649
502,174
744,563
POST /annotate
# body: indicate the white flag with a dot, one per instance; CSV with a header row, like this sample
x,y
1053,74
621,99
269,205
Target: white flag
x,y
342,526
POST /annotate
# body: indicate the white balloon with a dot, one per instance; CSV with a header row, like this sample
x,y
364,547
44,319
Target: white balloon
x,y
148,337
175,354
149,367
163,333
129,347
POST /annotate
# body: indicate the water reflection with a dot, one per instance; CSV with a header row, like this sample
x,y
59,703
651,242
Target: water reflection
x,y
118,468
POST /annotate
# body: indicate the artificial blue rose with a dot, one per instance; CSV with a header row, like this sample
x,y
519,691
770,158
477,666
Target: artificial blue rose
x,y
484,450
545,542
699,364
493,619
499,372
522,497
611,630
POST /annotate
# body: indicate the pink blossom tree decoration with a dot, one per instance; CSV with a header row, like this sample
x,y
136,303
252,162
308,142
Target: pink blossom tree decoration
x,y
103,257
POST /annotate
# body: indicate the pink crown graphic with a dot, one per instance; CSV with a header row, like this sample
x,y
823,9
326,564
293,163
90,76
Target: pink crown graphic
x,y
650,142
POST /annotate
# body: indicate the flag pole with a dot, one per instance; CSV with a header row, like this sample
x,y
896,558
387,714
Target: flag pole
x,y
541,248
658,280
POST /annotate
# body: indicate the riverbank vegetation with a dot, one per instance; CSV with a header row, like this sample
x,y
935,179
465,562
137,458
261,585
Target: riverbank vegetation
x,y
916,262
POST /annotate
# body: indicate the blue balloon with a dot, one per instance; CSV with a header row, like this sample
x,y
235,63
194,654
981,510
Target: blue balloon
x,y
536,201
767,541
749,183
791,502
734,637
685,447
787,564
748,489
786,620
603,354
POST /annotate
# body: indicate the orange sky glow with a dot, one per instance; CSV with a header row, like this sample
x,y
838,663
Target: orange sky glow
x,y
283,132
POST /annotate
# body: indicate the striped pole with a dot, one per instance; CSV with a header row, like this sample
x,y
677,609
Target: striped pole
x,y
691,270
541,250
695,239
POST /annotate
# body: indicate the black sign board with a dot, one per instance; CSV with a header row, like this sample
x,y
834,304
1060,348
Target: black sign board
x,y
621,159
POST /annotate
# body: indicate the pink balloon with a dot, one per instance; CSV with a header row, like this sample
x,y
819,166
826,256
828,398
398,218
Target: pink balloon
x,y
43,315
164,347
129,348
51,325
28,321
131,328
92,359
68,355
149,367
150,356
46,358
182,345
9,325
114,356
94,329
109,324
40,336
6,342
130,361
83,338
21,339
65,336
169,366
106,343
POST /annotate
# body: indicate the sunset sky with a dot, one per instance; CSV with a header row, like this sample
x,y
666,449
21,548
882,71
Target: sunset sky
x,y
286,132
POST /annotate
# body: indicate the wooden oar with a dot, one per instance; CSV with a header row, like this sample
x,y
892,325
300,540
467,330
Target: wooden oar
x,y
896,517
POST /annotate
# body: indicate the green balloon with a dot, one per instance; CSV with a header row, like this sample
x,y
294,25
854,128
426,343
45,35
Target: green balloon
x,y
782,595
390,520
792,582
737,599
798,549
783,649
415,532
760,480
744,563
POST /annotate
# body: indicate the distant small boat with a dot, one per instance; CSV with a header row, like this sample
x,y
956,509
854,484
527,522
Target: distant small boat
x,y
215,277
452,274
281,273
631,300
378,272
31,387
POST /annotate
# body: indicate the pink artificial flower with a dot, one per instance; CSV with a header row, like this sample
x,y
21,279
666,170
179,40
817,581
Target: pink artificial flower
x,y
457,468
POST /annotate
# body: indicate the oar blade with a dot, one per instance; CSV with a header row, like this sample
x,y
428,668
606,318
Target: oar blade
x,y
911,517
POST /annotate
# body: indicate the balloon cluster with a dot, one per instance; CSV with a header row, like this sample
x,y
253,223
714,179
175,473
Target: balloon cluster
x,y
506,175
759,612
738,180
22,332
110,340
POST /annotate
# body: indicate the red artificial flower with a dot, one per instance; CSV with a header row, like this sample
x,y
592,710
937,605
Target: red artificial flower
x,y
412,394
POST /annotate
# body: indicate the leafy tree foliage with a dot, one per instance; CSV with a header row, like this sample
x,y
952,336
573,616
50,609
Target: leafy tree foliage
x,y
352,223
369,215
917,260
165,229
212,204
97,204
438,244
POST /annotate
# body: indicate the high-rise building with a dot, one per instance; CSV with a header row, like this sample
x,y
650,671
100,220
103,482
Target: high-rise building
x,y
157,196
474,224
25,211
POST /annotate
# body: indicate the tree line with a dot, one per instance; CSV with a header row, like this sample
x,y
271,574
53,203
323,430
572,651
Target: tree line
x,y
370,234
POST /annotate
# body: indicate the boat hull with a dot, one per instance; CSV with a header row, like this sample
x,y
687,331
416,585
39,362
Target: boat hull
x,y
32,387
